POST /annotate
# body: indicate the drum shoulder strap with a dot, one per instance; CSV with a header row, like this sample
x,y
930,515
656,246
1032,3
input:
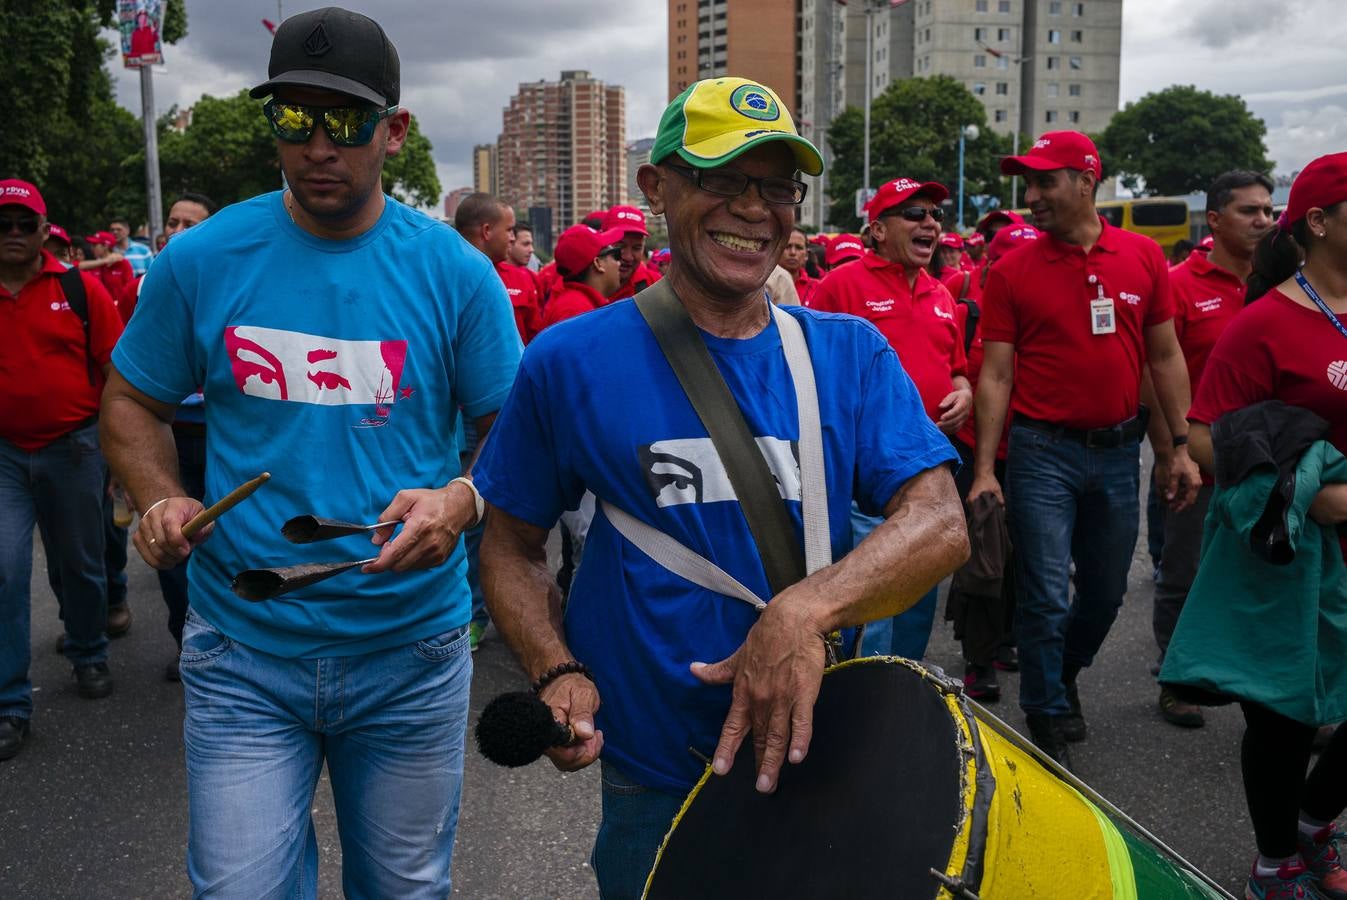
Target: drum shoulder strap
x,y
754,485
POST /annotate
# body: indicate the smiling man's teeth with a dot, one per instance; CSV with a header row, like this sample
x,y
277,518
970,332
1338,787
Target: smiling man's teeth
x,y
734,242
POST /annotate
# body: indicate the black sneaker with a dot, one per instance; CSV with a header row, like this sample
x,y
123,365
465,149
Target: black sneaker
x,y
1007,658
1072,725
93,681
13,731
1043,731
980,684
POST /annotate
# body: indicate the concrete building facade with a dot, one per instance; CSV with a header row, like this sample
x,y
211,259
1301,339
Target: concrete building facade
x,y
754,39
563,146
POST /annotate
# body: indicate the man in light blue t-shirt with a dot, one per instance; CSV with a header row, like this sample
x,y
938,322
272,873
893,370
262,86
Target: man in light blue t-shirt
x,y
597,407
336,334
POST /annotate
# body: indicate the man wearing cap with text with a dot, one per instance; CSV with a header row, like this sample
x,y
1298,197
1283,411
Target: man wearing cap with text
x,y
891,287
637,274
337,355
679,664
590,265
1067,323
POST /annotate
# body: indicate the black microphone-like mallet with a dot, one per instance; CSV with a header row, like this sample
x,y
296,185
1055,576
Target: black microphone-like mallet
x,y
517,728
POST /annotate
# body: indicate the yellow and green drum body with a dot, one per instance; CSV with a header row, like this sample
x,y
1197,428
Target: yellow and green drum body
x,y
910,791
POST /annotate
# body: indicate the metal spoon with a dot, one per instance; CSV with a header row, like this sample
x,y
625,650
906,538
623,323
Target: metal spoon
x,y
308,529
264,584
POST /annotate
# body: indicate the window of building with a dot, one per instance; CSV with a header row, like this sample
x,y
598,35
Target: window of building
x,y
1078,10
1003,34
1073,90
1076,62
979,87
1054,62
1050,116
1055,8
1003,62
981,5
1054,36
979,61
1077,36
1052,88
1003,88
1003,6
928,35
1073,116
999,115
979,34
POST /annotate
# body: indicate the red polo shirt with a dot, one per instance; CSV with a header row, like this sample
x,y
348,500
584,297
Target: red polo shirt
x,y
919,322
44,371
115,277
805,287
1039,299
641,278
522,286
1206,298
549,279
570,299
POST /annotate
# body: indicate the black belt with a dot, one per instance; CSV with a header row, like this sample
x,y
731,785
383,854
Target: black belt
x,y
1103,438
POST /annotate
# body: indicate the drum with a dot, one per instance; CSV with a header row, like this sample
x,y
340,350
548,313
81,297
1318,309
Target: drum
x,y
910,791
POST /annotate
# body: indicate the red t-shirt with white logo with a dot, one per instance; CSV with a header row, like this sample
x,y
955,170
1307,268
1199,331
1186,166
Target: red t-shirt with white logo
x,y
522,286
44,371
115,277
804,287
1276,349
919,322
1206,298
571,299
1039,299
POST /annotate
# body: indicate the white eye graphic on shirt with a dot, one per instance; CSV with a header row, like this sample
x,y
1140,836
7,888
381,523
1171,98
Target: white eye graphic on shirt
x,y
690,471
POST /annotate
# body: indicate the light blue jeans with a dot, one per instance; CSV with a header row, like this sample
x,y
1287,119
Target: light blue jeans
x,y
258,728
907,633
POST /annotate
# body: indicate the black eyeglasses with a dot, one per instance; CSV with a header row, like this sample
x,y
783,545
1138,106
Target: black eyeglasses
x,y
347,126
24,224
916,213
729,183
613,252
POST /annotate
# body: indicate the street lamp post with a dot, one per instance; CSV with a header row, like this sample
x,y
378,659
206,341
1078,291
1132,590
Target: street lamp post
x,y
968,132
1014,119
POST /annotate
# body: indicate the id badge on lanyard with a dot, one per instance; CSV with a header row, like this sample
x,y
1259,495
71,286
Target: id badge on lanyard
x,y
1102,320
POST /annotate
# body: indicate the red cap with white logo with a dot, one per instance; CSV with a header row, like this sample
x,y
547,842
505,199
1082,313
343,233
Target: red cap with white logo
x,y
14,192
1056,150
630,219
974,240
580,245
60,234
951,239
842,248
894,192
1008,239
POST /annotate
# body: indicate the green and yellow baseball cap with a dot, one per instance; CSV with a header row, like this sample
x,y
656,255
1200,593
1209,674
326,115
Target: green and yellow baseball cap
x,y
717,119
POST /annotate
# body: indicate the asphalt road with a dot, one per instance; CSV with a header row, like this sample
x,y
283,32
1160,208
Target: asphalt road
x,y
95,805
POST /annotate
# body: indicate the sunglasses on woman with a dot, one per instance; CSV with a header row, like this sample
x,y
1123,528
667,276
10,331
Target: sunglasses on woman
x,y
347,126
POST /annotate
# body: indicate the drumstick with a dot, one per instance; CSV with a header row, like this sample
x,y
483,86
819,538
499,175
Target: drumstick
x,y
228,502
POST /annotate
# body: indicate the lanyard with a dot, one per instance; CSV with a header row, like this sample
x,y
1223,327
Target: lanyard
x,y
1318,301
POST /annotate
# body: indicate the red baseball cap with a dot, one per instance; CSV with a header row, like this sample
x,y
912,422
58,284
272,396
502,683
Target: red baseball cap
x,y
976,239
14,192
1056,150
951,239
1008,239
894,192
1013,218
630,219
60,234
842,248
820,239
1320,184
580,245
1206,243
101,237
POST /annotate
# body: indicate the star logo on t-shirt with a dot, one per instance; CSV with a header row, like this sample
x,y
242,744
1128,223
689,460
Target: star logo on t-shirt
x,y
407,393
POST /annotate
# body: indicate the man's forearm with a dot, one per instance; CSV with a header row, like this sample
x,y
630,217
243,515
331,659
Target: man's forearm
x,y
140,450
521,594
922,539
990,407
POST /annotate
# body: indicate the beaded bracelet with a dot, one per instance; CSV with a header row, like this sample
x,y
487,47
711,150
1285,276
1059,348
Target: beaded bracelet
x,y
567,668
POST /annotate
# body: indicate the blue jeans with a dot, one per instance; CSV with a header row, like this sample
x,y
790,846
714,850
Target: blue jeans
x,y
390,726
635,820
58,488
114,558
1067,502
173,582
907,633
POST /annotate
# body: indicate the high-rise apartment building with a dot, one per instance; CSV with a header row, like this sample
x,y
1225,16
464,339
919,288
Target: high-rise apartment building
x,y
563,146
748,38
485,170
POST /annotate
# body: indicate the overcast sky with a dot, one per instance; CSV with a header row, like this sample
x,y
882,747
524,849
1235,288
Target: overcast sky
x,y
462,61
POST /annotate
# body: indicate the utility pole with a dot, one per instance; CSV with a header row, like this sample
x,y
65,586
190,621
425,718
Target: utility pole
x,y
154,198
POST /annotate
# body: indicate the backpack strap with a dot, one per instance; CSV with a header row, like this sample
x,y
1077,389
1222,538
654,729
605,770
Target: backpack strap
x,y
974,313
72,285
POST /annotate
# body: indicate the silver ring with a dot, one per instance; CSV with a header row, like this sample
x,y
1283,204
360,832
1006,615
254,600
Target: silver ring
x,y
151,540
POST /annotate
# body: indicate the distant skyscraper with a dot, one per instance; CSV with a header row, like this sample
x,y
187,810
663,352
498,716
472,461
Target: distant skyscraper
x,y
485,169
453,199
563,146
747,38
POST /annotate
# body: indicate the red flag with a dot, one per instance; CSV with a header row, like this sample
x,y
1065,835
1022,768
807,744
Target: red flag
x,y
269,25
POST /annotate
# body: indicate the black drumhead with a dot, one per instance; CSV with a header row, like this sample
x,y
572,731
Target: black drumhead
x,y
871,810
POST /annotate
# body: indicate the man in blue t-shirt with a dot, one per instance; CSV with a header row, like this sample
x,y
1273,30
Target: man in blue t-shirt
x,y
596,407
336,334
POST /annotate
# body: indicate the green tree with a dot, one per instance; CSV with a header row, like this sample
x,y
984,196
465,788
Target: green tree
x,y
914,133
1177,141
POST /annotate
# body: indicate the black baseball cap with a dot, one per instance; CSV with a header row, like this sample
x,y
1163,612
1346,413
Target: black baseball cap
x,y
334,49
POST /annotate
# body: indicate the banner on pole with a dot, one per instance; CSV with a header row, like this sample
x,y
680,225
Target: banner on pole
x,y
139,22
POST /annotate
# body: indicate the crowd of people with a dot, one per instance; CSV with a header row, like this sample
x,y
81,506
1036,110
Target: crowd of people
x,y
978,413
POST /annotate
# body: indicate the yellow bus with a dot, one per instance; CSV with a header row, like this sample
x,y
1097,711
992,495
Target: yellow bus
x,y
1162,219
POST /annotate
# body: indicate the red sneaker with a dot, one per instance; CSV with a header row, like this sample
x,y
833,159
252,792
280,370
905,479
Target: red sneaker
x,y
1320,853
